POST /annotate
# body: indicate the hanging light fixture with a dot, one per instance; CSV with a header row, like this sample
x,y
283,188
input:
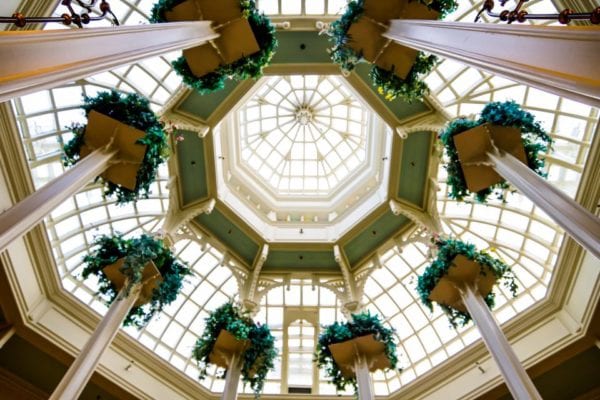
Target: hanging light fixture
x,y
564,17
72,17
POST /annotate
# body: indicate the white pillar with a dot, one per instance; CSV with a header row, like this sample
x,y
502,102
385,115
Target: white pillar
x,y
76,378
560,60
20,218
36,60
520,385
579,223
232,379
363,378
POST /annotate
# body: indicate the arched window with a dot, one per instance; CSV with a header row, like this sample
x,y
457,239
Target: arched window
x,y
295,312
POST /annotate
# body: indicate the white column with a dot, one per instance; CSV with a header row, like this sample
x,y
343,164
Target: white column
x,y
560,60
36,60
76,378
520,385
232,378
363,378
579,223
20,218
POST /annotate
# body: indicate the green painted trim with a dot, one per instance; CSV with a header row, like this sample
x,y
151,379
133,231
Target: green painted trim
x,y
414,167
228,233
203,106
301,47
193,175
400,108
301,260
373,236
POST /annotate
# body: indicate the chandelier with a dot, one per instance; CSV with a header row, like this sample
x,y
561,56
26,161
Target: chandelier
x,y
564,17
72,17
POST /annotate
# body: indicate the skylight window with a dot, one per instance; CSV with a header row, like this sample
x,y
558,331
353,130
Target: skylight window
x,y
301,7
304,135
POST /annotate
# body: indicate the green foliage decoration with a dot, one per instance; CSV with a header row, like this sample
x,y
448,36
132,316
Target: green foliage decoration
x,y
244,68
388,84
137,252
536,142
133,110
362,324
447,250
258,358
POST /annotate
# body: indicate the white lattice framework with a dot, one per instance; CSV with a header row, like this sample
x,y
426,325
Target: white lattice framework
x,y
521,234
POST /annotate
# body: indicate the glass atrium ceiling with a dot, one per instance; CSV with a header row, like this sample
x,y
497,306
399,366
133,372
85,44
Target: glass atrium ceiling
x,y
304,135
302,150
517,231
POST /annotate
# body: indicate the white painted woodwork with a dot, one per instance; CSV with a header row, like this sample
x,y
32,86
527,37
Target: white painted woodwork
x,y
6,334
558,59
20,218
36,60
76,378
520,385
364,381
232,378
579,223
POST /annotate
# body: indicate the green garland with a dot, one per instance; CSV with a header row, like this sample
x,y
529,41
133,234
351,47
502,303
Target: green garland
x,y
246,67
362,324
388,84
258,358
133,110
137,253
509,113
448,249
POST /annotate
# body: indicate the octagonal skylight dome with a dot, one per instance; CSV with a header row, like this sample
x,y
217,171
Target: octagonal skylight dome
x,y
302,158
304,135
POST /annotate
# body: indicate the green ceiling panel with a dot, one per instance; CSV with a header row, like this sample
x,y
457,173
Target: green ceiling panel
x,y
400,108
192,168
204,105
301,47
230,235
373,236
301,260
414,165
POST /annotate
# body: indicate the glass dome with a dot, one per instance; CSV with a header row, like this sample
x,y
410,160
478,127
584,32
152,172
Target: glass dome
x,y
304,135
283,132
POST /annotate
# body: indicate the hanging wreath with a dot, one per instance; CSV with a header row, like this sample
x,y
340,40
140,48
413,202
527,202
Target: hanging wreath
x,y
388,83
535,143
362,324
249,66
447,250
132,110
258,358
136,253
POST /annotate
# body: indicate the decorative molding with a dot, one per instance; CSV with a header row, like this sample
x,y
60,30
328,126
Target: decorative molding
x,y
403,132
176,217
179,96
248,291
416,215
12,156
352,302
187,122
301,23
